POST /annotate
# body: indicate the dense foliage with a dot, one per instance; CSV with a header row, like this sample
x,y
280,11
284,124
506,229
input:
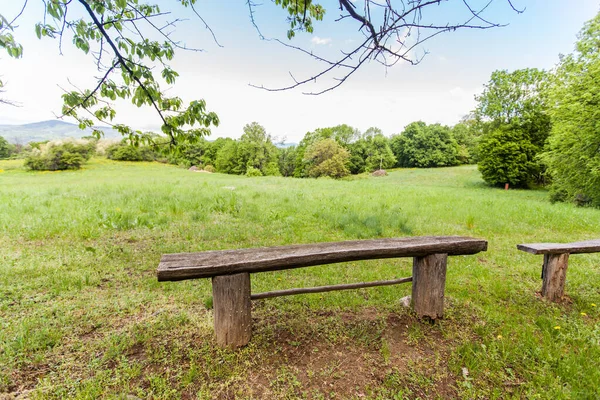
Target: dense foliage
x,y
6,148
424,146
123,151
573,156
327,158
467,134
351,151
371,152
516,124
255,149
55,156
508,156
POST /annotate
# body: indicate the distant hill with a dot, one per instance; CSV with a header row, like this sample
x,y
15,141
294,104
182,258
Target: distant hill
x,y
49,130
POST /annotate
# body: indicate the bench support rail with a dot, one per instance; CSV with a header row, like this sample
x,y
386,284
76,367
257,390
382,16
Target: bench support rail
x,y
554,275
429,281
321,289
231,304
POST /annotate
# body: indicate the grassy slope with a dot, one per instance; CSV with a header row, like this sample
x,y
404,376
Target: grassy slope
x,y
82,315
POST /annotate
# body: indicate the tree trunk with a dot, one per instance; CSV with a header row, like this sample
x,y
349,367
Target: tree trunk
x,y
429,281
231,305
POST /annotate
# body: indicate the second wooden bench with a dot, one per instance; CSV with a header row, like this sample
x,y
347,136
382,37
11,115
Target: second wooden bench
x,y
556,261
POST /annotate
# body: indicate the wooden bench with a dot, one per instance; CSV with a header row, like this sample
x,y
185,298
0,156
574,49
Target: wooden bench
x,y
230,272
556,258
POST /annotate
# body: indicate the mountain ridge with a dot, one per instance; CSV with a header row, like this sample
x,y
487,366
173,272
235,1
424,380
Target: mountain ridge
x,y
50,130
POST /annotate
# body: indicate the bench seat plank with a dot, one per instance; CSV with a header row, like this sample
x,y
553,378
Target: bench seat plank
x,y
589,246
180,266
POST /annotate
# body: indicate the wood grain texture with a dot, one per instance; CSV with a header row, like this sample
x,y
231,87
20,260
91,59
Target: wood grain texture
x,y
589,246
554,276
429,282
207,264
330,288
231,305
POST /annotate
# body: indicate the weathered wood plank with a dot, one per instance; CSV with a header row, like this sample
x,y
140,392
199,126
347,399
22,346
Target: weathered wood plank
x,y
207,264
589,246
329,288
554,276
429,282
231,305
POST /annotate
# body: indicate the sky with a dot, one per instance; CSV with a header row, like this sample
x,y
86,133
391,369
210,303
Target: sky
x,y
440,89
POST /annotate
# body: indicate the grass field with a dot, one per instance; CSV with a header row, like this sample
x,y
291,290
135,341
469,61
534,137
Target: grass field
x,y
83,316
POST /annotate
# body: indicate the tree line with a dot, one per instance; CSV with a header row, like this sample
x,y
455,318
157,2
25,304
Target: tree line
x,y
334,152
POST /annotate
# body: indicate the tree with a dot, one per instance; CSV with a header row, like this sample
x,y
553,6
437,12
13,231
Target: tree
x,y
425,146
116,34
287,160
379,152
343,134
6,148
514,106
573,154
327,158
467,134
227,160
256,150
509,95
190,154
372,151
508,156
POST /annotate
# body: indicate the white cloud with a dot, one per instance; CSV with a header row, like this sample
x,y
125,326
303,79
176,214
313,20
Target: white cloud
x,y
320,41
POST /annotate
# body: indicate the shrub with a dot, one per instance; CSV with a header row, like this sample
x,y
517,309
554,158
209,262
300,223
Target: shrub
x,y
126,152
272,169
251,171
55,156
327,158
209,168
508,156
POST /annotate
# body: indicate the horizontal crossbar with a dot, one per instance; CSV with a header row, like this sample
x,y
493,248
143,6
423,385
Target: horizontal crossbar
x,y
330,288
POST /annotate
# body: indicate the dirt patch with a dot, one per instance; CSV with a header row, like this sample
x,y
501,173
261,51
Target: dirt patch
x,y
370,354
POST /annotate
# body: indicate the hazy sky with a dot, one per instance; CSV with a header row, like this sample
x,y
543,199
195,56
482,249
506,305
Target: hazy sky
x,y
440,89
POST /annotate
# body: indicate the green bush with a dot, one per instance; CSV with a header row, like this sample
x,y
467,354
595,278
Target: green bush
x,y
508,156
60,156
126,152
251,171
425,146
327,158
272,169
209,168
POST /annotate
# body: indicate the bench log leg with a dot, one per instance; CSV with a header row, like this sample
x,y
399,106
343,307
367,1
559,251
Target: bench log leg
x,y
554,274
231,305
429,281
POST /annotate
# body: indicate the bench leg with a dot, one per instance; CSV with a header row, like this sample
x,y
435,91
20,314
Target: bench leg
x,y
429,281
231,305
554,274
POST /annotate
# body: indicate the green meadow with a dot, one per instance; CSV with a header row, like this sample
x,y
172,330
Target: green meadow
x,y
83,316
